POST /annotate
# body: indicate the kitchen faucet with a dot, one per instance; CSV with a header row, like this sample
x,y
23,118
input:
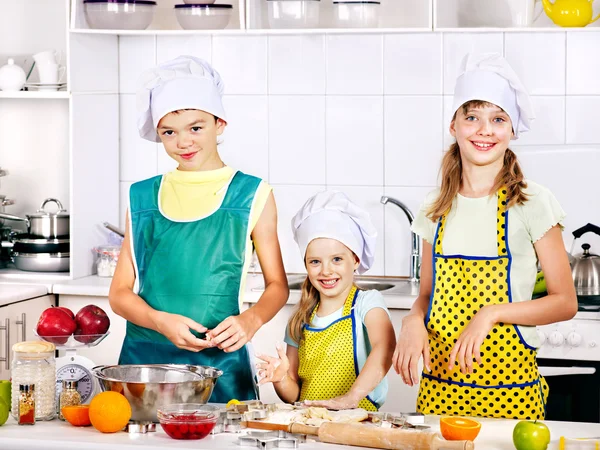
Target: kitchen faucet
x,y
415,253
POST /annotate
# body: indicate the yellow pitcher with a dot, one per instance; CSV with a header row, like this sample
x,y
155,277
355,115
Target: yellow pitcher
x,y
570,13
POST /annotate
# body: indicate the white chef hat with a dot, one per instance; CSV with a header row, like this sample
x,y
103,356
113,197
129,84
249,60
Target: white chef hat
x,y
489,77
185,82
331,214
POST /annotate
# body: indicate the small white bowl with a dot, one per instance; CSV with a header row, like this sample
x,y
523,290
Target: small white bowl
x,y
294,13
119,14
357,14
195,16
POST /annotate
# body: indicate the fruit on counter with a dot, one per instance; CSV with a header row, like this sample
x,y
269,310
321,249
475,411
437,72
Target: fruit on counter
x,y
55,325
3,411
68,311
531,435
459,428
540,283
109,412
91,321
233,401
189,426
77,415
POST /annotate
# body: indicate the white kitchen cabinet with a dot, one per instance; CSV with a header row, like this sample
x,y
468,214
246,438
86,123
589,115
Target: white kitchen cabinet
x,y
21,318
401,398
107,351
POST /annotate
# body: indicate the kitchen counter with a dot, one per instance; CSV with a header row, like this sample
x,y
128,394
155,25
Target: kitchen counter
x,y
12,293
495,434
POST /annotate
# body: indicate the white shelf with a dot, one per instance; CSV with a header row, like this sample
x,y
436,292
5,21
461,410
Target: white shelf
x,y
227,31
554,29
36,94
12,274
257,31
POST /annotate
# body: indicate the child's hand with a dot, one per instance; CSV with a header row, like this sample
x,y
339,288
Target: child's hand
x,y
338,403
176,328
413,343
273,370
469,343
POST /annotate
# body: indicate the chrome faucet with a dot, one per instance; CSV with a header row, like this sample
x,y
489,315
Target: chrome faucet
x,y
415,253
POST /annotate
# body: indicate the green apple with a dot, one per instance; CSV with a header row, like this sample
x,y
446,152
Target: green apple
x,y
529,435
3,411
540,283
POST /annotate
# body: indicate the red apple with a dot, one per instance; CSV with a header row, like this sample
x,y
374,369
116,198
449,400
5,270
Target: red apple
x,y
68,311
55,326
91,321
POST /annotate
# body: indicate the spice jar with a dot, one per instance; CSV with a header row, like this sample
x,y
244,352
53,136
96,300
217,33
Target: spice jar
x,y
33,363
69,396
106,261
26,408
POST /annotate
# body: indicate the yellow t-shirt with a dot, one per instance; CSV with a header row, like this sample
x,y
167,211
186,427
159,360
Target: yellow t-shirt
x,y
194,195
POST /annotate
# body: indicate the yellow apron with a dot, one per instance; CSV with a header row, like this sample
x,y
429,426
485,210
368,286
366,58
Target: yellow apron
x,y
328,366
508,383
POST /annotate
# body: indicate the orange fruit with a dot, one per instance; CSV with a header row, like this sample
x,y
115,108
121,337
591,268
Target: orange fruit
x,y
109,412
136,389
459,428
78,416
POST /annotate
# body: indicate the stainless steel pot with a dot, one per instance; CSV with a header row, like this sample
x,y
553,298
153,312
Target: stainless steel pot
x,y
44,224
42,262
147,387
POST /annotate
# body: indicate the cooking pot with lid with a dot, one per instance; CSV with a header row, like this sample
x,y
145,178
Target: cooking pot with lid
x,y
585,267
44,224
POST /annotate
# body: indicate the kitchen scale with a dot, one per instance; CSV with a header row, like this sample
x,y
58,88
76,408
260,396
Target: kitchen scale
x,y
74,367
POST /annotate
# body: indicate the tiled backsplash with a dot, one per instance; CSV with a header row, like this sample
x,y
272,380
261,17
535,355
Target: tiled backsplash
x,y
368,114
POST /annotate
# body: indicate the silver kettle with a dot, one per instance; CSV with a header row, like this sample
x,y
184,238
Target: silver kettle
x,y
585,267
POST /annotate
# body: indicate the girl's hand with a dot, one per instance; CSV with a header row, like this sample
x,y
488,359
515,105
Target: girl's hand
x,y
176,328
346,401
234,332
469,343
413,342
273,370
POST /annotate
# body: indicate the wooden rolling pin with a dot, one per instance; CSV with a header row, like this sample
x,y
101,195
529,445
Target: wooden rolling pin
x,y
360,435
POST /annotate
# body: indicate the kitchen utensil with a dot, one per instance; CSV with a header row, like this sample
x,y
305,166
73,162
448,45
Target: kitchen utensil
x,y
150,386
362,435
189,421
570,13
293,13
51,73
42,262
119,14
47,57
26,244
44,224
585,267
202,16
114,229
12,77
352,14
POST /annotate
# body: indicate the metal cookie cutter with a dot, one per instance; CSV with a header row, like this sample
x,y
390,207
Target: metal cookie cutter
x,y
140,427
271,439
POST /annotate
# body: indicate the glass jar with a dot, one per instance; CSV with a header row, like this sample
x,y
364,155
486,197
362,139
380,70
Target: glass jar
x,y
33,363
106,261
69,396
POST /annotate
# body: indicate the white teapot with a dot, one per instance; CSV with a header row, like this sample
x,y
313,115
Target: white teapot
x,y
12,77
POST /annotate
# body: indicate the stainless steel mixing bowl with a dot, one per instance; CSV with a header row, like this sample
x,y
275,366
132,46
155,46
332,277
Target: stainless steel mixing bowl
x,y
149,386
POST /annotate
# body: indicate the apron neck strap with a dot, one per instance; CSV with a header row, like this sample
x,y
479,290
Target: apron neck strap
x,y
348,304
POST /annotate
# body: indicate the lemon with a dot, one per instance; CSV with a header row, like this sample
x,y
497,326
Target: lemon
x,y
232,402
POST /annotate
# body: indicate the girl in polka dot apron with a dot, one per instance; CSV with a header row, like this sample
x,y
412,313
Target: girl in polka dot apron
x,y
484,231
340,339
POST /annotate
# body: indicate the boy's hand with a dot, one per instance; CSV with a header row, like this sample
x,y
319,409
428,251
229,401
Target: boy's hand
x,y
273,370
234,332
176,328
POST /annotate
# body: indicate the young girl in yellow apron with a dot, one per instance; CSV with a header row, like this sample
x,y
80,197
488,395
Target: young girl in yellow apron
x,y
483,232
190,235
340,339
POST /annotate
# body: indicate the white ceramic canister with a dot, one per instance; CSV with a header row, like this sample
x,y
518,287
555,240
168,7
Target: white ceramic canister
x,y
12,77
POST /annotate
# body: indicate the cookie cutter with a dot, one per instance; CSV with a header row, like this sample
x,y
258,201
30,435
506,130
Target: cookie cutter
x,y
140,427
264,439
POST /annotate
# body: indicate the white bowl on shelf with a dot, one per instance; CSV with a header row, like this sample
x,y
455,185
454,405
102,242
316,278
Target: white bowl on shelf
x,y
196,16
119,14
356,14
293,13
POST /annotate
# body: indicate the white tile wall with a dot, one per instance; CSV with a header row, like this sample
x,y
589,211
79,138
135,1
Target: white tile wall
x,y
368,114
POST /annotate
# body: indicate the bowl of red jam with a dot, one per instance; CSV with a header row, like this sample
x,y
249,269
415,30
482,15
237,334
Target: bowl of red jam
x,y
188,420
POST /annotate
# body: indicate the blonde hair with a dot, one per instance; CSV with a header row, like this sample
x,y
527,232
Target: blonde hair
x,y
511,176
301,316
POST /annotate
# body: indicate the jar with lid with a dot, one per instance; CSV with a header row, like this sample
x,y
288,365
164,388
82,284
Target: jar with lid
x,y
33,363
106,261
69,396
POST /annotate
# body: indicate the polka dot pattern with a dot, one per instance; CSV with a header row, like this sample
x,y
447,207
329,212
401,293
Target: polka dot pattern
x,y
494,389
326,359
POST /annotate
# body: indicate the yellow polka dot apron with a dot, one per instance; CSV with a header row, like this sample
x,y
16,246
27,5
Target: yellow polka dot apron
x,y
507,384
328,365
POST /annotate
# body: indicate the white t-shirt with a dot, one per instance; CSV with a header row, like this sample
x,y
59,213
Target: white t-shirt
x,y
365,302
471,230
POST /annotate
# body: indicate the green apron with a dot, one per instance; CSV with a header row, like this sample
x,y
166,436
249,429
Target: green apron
x,y
192,268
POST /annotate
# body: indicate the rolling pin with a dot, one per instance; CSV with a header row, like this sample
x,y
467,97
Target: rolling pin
x,y
360,435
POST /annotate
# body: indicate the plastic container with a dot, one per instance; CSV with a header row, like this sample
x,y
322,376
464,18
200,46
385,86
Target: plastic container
x,y
119,14
106,259
293,13
188,420
33,363
203,16
353,14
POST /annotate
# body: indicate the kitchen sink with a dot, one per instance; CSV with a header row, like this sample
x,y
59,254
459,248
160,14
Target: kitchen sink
x,y
385,285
